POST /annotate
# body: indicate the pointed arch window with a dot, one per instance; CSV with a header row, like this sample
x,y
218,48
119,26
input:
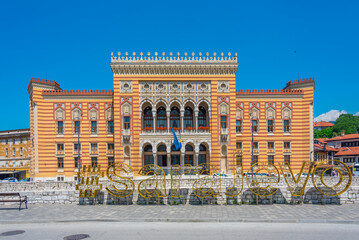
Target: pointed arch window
x,y
188,117
161,118
147,118
202,117
175,117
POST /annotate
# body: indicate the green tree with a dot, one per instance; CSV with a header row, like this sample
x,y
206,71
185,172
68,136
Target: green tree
x,y
317,133
324,133
346,123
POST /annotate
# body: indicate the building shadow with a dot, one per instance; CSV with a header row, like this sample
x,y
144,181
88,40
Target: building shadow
x,y
125,200
150,198
177,200
203,196
314,196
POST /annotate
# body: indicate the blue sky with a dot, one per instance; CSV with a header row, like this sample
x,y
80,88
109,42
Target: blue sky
x,y
71,42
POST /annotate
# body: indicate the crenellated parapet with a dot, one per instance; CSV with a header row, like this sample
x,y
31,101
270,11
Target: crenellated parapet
x,y
300,83
42,84
77,92
173,58
269,93
174,64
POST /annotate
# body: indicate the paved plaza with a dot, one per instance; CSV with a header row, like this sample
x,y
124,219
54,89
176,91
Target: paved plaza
x,y
277,213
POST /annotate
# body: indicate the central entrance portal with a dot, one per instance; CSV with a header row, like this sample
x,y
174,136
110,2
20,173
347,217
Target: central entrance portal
x,y
162,160
161,156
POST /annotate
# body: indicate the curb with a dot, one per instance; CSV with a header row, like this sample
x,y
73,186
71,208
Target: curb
x,y
189,220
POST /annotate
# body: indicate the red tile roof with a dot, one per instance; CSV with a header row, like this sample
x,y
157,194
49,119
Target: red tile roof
x,y
323,124
348,151
322,140
345,137
327,148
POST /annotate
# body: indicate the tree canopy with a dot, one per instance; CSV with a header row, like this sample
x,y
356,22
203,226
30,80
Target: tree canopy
x,y
346,123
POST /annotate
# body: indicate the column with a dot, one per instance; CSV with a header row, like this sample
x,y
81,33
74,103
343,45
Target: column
x,y
154,121
182,114
168,120
195,162
155,158
195,120
169,160
181,158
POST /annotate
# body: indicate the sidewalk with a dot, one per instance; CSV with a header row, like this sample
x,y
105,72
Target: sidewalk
x,y
307,213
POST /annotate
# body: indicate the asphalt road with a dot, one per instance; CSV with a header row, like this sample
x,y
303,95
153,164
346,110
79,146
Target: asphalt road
x,y
183,231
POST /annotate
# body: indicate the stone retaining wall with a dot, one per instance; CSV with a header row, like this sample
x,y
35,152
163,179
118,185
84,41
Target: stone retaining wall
x,y
65,193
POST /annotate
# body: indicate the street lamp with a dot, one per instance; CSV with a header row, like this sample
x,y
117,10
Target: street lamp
x,y
252,160
78,152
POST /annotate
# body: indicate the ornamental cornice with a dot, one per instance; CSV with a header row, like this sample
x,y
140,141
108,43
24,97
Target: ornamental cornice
x,y
174,65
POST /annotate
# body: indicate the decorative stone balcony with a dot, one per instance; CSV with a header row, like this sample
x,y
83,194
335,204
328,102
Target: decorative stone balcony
x,y
60,152
110,152
224,134
126,138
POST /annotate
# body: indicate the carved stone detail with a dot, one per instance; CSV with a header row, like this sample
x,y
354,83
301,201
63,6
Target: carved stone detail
x,y
223,86
126,86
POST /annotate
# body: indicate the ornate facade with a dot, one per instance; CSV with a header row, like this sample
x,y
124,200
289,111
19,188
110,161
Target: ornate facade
x,y
15,149
153,94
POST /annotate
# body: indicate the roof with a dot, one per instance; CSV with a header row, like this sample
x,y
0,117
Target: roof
x,y
344,137
327,148
323,124
348,151
322,140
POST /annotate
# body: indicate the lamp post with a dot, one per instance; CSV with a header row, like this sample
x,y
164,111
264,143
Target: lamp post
x,y
252,160
78,153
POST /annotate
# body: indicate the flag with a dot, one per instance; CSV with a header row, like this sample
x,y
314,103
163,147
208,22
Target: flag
x,y
177,143
180,140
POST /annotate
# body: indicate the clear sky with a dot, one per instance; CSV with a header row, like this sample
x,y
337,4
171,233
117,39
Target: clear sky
x,y
71,42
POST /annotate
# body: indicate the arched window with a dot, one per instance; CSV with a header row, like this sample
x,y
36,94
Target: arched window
x,y
161,148
202,118
175,156
175,117
161,118
188,157
148,156
148,148
162,156
188,117
147,118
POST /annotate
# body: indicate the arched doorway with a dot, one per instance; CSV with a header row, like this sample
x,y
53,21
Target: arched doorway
x,y
202,157
175,156
162,156
189,153
148,155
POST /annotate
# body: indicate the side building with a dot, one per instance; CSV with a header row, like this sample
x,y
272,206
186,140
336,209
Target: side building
x,y
154,94
15,151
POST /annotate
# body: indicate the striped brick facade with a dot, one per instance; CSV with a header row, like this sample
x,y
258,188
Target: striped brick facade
x,y
186,82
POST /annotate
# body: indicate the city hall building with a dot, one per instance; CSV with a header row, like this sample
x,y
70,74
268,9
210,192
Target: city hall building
x,y
153,94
